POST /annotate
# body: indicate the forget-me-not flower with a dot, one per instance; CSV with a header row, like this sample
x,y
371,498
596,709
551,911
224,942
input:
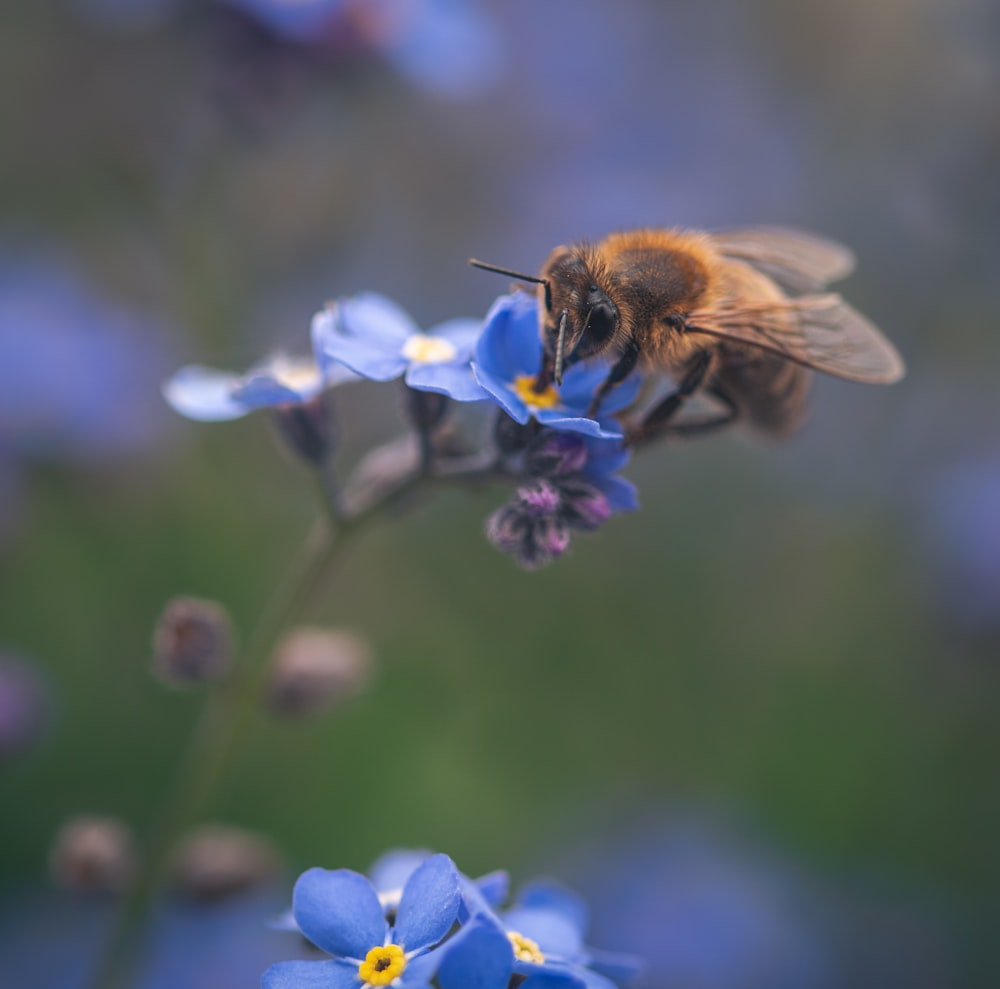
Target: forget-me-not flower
x,y
211,395
374,337
341,913
508,359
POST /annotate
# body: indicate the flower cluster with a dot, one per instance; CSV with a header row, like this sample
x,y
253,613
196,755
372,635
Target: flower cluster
x,y
419,919
562,460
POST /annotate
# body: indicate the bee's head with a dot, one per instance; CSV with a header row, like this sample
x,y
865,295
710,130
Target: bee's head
x,y
579,318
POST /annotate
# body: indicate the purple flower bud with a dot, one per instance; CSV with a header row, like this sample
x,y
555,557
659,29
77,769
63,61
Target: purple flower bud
x,y
583,506
557,453
216,861
192,642
308,428
538,499
315,669
532,539
92,854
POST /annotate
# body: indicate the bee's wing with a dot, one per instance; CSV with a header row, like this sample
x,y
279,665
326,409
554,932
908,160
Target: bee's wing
x,y
818,331
797,261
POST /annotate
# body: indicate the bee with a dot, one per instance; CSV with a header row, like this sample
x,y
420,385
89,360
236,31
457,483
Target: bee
x,y
741,315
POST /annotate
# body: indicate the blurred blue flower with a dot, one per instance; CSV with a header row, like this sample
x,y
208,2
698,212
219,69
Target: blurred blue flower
x,y
77,371
958,522
374,337
340,912
508,358
209,395
450,48
302,21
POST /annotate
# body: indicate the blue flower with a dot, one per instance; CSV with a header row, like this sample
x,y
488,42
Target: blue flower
x,y
340,912
374,337
546,928
210,395
390,872
507,361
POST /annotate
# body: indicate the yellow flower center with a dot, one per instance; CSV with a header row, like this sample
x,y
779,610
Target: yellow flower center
x,y
382,965
525,950
299,375
426,349
526,391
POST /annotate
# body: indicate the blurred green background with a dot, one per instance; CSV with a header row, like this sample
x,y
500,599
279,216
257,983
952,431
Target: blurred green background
x,y
783,633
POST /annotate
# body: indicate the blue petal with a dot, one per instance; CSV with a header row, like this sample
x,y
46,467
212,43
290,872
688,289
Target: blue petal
x,y
391,870
430,903
617,967
554,933
594,980
493,887
510,343
421,970
605,456
578,424
479,956
621,494
547,894
339,912
456,380
334,974
205,394
259,390
369,360
375,319
371,344
582,380
502,394
463,333
551,978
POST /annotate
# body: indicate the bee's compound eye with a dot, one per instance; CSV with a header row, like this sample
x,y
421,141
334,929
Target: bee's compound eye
x,y
602,320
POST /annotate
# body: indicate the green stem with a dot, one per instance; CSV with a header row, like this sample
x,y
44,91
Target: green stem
x,y
229,711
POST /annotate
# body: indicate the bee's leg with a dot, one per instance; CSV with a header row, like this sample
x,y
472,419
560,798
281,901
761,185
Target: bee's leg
x,y
621,370
698,427
655,422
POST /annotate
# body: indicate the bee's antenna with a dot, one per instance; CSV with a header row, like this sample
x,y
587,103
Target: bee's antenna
x,y
518,275
560,347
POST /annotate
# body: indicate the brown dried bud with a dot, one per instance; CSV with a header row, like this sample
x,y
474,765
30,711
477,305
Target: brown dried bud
x,y
93,855
216,861
192,642
315,669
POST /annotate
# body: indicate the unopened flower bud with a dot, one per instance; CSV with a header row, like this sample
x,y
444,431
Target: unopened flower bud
x,y
192,642
556,453
512,436
315,669
583,506
539,498
93,854
425,409
308,428
533,540
216,861
24,707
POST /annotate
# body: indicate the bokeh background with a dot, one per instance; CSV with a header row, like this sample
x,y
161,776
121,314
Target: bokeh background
x,y
757,721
